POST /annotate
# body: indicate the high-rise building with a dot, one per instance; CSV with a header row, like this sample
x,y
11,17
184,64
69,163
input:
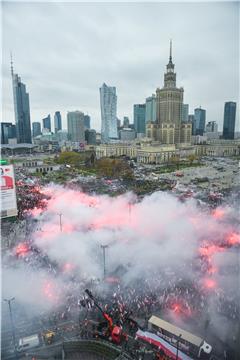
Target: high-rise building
x,y
57,121
90,136
108,101
150,115
8,131
21,109
169,103
200,120
229,120
87,122
36,129
185,111
47,123
126,122
191,119
212,126
139,113
75,126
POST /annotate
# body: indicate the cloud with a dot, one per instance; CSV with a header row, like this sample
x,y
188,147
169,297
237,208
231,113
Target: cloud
x,y
65,51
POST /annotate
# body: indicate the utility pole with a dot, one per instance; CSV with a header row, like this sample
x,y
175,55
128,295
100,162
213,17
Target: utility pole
x,y
12,325
179,338
104,247
60,221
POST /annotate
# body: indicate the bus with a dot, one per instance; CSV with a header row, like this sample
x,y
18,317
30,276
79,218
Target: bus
x,y
190,344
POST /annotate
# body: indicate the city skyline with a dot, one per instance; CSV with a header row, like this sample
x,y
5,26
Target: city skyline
x,y
207,67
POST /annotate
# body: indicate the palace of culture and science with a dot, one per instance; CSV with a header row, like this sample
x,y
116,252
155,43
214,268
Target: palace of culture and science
x,y
169,128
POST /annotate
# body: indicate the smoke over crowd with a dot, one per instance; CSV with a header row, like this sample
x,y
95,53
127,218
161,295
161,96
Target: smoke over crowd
x,y
161,253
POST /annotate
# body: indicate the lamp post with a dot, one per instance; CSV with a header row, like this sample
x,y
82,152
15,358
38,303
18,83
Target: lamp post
x,y
60,221
104,247
179,337
12,325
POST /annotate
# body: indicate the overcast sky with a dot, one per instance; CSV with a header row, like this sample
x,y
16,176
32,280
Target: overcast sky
x,y
65,51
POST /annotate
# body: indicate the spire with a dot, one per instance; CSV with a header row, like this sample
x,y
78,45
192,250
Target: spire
x,y
11,63
170,56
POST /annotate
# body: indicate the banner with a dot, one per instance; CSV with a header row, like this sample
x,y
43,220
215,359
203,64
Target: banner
x,y
8,192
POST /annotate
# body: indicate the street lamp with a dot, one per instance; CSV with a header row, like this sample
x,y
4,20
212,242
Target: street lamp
x,y
12,325
60,221
104,247
179,337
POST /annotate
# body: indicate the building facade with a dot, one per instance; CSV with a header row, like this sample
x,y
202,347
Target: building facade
x,y
150,115
90,137
185,112
108,102
8,131
87,122
127,134
21,109
126,122
47,123
229,120
75,126
36,129
200,121
139,111
57,121
169,105
212,126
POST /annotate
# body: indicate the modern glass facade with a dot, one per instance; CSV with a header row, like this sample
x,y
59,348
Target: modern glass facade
x,y
90,136
8,131
229,120
87,121
126,122
185,111
47,123
108,101
139,112
57,121
200,120
150,115
22,110
75,126
36,129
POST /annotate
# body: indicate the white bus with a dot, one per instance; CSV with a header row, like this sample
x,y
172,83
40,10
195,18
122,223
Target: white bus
x,y
187,342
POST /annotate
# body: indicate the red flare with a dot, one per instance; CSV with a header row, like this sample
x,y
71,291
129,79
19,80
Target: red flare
x,y
218,213
22,249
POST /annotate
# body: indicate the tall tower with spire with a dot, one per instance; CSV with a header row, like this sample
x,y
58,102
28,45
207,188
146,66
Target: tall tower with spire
x,y
21,109
169,102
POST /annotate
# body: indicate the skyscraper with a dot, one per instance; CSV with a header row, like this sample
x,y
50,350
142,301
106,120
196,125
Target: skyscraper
x,y
8,131
75,126
21,109
185,111
57,122
47,123
87,121
191,120
150,109
169,103
90,136
36,129
139,113
229,120
126,122
108,101
200,120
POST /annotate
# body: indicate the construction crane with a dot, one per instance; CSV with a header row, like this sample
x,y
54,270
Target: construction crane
x,y
113,332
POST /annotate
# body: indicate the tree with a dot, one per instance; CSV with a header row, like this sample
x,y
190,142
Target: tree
x,y
191,158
